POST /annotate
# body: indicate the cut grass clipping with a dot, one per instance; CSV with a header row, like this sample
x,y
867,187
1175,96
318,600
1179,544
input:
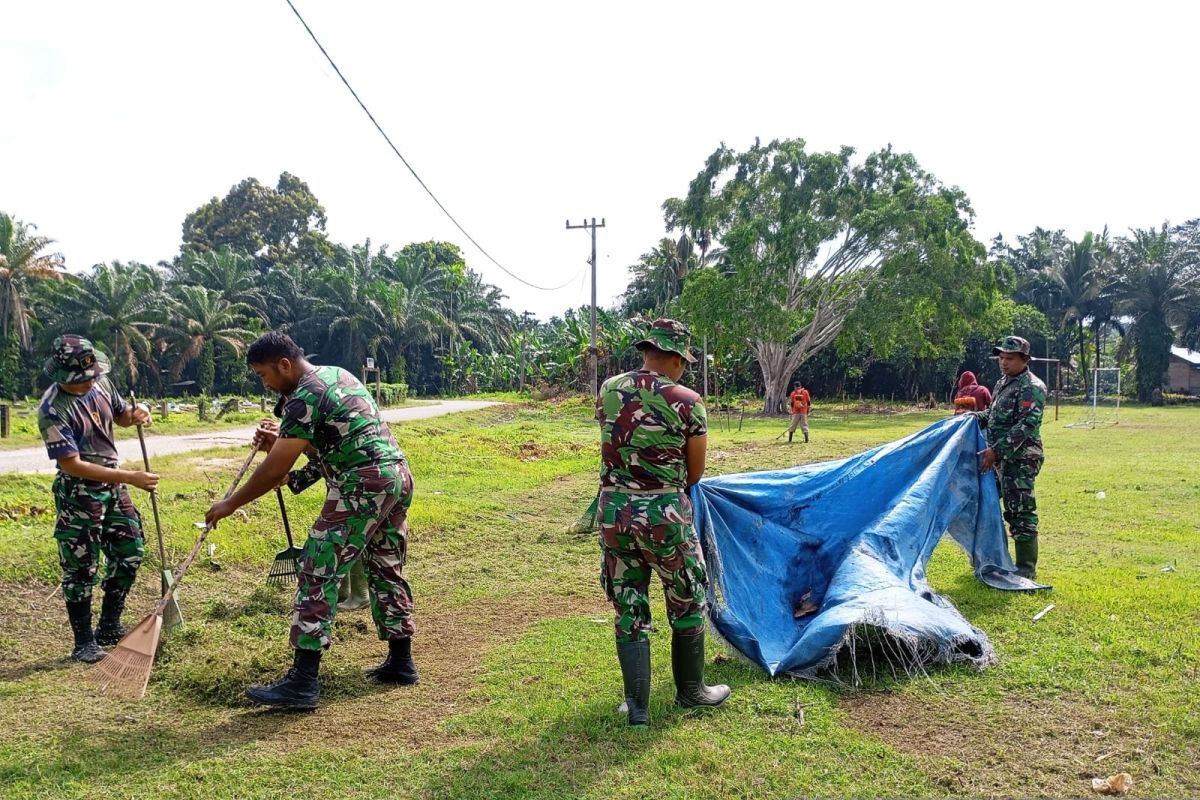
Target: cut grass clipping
x,y
519,678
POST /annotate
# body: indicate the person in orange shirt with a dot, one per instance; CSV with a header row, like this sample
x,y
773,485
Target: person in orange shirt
x,y
801,402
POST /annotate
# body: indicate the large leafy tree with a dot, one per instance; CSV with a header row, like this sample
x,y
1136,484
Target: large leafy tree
x,y
807,236
23,262
1159,289
278,225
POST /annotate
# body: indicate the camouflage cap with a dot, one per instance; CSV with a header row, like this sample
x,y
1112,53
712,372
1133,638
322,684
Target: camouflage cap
x,y
73,359
670,337
1012,344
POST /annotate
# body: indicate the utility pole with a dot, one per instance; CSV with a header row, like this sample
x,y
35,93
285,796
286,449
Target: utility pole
x,y
524,323
592,351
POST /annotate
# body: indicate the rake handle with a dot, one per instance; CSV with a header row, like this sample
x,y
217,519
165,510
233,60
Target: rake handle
x,y
187,562
162,552
287,528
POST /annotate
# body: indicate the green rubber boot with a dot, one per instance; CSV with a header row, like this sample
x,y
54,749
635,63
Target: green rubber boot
x,y
634,658
355,587
687,662
1027,557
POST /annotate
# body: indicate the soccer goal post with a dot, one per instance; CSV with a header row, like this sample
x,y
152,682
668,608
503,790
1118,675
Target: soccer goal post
x,y
1104,405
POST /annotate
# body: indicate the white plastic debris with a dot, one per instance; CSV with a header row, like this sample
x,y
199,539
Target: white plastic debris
x,y
1043,612
1099,495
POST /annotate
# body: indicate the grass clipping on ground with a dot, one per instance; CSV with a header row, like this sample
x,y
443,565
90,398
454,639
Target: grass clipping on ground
x,y
519,680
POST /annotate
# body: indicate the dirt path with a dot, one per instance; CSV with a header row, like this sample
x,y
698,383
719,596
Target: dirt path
x,y
33,459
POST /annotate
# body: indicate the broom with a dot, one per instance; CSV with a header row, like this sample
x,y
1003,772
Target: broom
x,y
125,671
284,569
172,615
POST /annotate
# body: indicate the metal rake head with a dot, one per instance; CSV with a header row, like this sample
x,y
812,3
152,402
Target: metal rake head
x,y
283,571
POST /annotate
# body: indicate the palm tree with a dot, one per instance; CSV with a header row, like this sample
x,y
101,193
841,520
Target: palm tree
x,y
1159,286
22,263
234,276
1075,278
116,305
197,321
477,313
351,309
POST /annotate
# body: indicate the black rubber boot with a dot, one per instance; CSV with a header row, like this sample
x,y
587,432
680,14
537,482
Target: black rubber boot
x,y
110,630
790,436
687,662
634,658
398,667
806,437
299,689
1027,557
86,649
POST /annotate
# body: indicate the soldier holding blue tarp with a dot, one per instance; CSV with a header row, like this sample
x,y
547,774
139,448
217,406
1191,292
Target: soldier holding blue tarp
x,y
1013,426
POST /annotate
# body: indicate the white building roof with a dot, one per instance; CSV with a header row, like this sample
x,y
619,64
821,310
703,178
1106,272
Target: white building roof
x,y
1190,356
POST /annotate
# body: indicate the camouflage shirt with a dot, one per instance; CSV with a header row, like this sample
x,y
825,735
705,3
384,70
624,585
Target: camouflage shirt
x,y
1014,420
333,411
81,424
645,422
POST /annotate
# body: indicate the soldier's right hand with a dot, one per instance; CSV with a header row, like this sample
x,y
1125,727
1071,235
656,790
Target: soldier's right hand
x,y
146,481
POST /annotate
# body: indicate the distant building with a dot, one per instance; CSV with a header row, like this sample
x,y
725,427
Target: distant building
x,y
1183,373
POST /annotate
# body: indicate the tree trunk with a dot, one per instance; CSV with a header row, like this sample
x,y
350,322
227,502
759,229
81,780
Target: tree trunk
x,y
206,373
777,362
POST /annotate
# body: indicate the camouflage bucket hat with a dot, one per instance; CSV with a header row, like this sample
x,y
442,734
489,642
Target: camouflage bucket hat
x,y
1012,344
73,359
670,337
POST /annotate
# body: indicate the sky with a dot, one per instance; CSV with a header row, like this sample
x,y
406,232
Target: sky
x,y
121,118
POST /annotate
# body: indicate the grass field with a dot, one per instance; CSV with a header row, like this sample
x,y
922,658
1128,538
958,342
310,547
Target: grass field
x,y
23,429
519,679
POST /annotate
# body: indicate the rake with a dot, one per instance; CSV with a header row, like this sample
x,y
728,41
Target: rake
x,y
284,569
125,671
172,615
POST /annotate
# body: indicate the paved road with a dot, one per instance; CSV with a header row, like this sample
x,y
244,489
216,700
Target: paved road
x,y
33,459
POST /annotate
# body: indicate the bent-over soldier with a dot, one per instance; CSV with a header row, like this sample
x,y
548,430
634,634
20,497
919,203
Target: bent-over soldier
x,y
95,512
368,492
653,435
1013,426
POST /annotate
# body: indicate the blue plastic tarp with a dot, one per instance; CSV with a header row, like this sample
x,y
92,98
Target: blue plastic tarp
x,y
804,561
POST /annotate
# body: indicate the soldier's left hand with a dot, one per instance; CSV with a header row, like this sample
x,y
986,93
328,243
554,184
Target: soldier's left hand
x,y
987,460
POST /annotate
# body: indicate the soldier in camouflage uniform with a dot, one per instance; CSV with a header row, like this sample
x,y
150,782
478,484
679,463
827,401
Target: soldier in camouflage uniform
x,y
653,435
95,513
353,593
1013,426
368,492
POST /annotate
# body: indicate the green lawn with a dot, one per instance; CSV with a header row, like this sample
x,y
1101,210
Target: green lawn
x,y
23,427
519,680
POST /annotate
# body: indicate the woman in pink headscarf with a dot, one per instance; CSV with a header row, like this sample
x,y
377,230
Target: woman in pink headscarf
x,y
970,395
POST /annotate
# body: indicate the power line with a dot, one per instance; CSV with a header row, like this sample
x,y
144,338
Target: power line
x,y
396,150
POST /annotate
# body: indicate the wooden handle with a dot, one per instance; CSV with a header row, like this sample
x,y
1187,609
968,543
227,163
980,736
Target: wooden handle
x,y
162,551
287,528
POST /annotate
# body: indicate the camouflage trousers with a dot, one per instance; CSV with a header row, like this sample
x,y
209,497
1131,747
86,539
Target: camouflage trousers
x,y
365,516
645,533
96,518
1016,479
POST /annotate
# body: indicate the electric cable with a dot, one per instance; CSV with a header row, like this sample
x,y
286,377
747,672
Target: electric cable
x,y
399,155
